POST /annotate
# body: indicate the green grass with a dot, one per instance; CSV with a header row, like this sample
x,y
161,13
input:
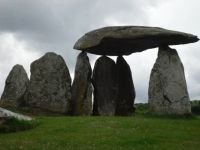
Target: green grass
x,y
139,132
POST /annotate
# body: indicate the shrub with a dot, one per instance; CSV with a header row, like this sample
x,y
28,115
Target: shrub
x,y
141,108
196,109
15,125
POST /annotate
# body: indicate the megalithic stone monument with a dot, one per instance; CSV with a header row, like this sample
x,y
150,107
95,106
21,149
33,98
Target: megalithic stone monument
x,y
167,87
82,87
125,40
50,85
105,88
126,91
16,86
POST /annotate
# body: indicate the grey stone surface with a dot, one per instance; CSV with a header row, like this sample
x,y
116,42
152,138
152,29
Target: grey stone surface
x,y
15,88
105,88
4,113
167,87
126,91
50,84
82,86
124,40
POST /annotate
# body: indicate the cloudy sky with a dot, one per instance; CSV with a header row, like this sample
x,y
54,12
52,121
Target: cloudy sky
x,y
29,29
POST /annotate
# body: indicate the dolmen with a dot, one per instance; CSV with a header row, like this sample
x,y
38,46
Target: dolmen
x,y
114,91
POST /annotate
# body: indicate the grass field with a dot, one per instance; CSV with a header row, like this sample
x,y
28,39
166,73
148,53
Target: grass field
x,y
138,132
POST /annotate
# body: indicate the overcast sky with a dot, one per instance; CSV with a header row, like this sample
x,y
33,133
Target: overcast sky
x,y
29,29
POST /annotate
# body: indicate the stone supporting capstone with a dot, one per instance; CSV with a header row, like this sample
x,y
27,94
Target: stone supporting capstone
x,y
16,86
82,88
126,91
50,85
168,92
105,88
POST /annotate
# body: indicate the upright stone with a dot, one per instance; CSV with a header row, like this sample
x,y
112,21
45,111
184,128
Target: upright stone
x,y
105,89
50,84
126,91
167,87
82,87
15,88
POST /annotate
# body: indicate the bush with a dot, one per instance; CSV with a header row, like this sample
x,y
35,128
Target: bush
x,y
15,125
195,107
196,110
141,108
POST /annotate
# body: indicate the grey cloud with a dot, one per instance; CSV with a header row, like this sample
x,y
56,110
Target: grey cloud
x,y
56,25
190,58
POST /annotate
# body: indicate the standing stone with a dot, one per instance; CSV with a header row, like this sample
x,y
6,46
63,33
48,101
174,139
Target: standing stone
x,y
167,88
50,84
82,87
126,91
105,89
15,88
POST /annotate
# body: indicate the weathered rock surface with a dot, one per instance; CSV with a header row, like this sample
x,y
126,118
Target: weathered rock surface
x,y
167,87
4,113
126,91
124,40
82,86
50,84
15,88
105,88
